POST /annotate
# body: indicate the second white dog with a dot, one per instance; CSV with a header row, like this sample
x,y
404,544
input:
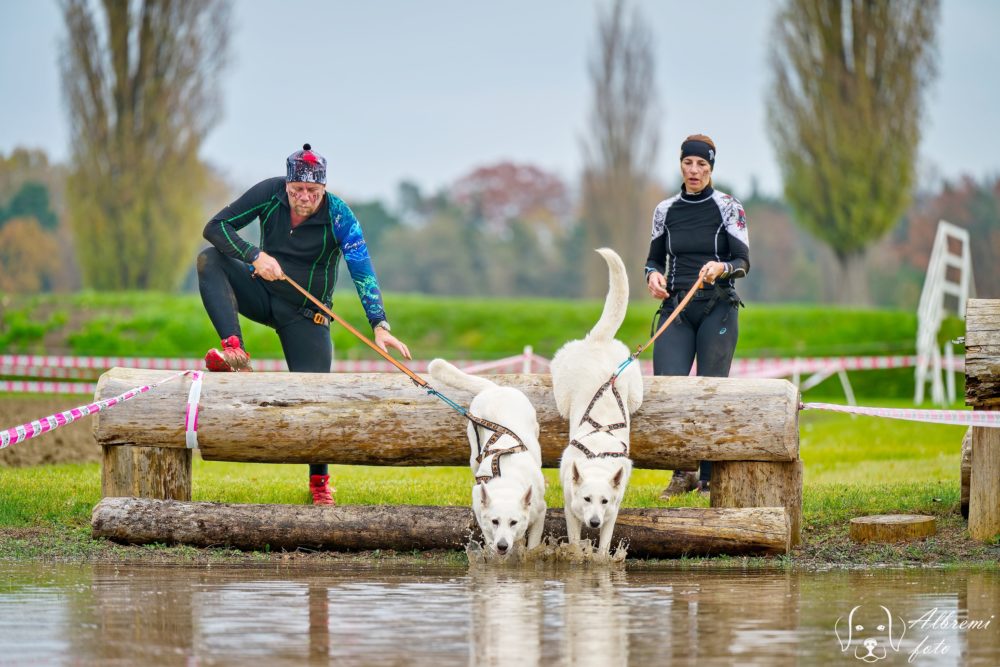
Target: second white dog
x,y
595,467
509,498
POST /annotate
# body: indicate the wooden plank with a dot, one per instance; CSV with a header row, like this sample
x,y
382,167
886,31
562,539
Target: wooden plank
x,y
649,533
384,419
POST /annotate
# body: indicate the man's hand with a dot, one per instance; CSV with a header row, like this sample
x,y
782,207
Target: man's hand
x,y
267,267
383,339
657,284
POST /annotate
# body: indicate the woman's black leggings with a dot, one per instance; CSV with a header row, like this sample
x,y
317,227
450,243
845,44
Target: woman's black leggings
x,y
699,331
228,287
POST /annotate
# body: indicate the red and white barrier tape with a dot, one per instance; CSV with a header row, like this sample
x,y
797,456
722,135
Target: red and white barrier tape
x,y
17,434
984,418
191,413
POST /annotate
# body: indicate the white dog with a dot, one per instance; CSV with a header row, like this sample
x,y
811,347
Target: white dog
x,y
509,496
595,467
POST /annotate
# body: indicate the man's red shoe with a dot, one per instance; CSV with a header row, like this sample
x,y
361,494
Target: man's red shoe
x,y
231,358
320,489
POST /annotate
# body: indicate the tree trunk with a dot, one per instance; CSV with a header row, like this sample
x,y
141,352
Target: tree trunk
x,y
760,484
892,527
853,288
649,533
383,419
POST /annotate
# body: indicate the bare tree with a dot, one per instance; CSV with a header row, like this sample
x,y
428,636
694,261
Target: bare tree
x,y
845,114
621,144
141,91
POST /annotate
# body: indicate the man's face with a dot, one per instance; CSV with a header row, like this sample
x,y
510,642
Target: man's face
x,y
305,198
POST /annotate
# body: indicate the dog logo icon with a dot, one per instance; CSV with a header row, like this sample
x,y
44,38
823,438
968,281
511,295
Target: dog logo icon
x,y
871,631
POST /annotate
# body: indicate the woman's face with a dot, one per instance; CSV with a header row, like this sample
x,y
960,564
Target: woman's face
x,y
696,172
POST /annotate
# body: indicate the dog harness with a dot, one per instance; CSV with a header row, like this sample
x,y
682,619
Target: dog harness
x,y
605,428
494,455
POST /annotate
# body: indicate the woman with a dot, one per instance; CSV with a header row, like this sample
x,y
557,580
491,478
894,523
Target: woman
x,y
699,232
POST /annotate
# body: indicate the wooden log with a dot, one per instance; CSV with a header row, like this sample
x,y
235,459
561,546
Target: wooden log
x,y
383,419
966,468
650,533
146,472
760,484
984,484
982,353
892,527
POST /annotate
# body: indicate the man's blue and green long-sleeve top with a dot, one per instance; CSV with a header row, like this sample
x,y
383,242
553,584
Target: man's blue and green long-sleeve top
x,y
309,253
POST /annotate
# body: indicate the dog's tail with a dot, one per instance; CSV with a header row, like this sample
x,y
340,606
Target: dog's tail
x,y
616,302
447,373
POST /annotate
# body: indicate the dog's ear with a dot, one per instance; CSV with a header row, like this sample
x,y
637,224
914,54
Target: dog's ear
x,y
894,630
845,642
576,475
616,481
527,498
484,497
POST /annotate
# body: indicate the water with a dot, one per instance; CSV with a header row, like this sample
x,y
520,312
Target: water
x,y
488,615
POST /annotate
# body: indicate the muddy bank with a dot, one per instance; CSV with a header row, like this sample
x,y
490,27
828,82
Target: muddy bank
x,y
73,443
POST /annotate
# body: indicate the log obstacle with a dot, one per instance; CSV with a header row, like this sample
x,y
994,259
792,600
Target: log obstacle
x,y
383,419
966,472
648,533
982,392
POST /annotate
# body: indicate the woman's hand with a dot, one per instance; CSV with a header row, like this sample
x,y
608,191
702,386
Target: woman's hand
x,y
657,285
711,272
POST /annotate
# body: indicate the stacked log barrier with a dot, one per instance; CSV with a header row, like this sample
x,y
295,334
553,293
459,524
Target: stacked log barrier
x,y
647,533
383,419
982,392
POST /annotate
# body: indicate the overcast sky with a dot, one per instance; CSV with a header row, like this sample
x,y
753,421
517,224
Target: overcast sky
x,y
425,91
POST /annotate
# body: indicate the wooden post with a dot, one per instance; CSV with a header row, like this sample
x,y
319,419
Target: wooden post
x,y
760,484
982,391
966,468
146,472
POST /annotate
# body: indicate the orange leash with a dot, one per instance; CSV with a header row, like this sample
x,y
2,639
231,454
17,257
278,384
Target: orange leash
x,y
336,318
677,311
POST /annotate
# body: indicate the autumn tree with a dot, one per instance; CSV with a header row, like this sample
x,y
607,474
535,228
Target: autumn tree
x,y
140,80
845,118
29,257
621,145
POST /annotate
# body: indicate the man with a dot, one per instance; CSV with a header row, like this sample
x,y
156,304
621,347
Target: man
x,y
303,232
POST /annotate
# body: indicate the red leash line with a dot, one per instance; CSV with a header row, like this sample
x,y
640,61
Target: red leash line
x,y
413,376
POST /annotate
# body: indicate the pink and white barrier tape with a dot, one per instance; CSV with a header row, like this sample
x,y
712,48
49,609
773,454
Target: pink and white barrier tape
x,y
984,418
17,434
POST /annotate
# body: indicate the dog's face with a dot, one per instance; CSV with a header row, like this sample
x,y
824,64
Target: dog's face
x,y
502,518
596,493
871,631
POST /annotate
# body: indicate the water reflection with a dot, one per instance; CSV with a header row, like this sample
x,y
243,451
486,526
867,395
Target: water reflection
x,y
484,615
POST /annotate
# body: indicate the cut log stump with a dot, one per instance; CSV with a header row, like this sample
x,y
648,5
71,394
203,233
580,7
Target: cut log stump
x,y
648,532
760,484
892,527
